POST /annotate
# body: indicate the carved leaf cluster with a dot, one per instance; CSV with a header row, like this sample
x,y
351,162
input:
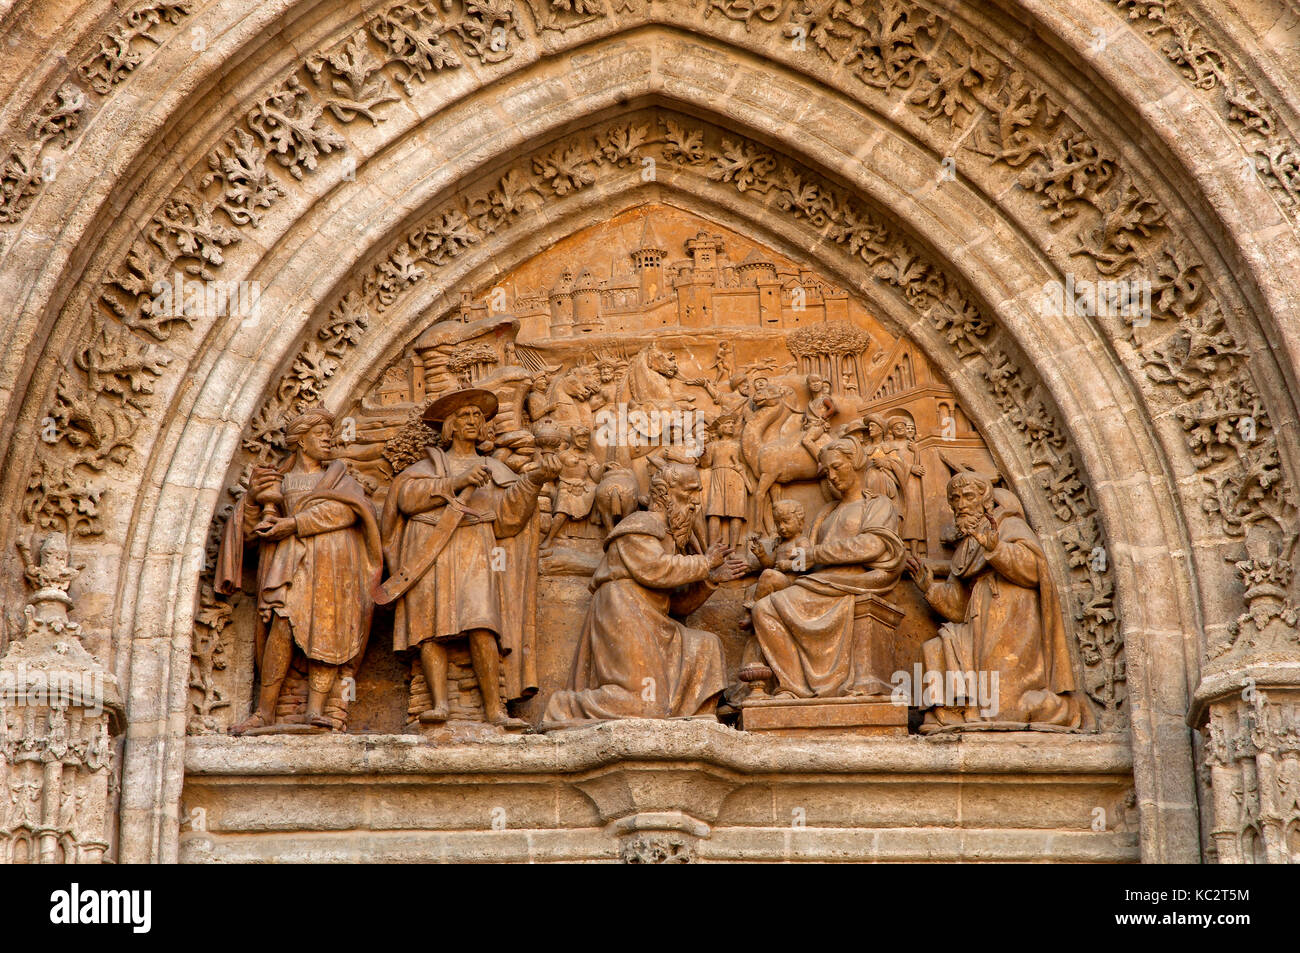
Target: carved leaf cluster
x,y
409,443
836,337
186,229
288,122
1271,148
349,75
20,180
23,170
246,185
207,659
59,498
120,52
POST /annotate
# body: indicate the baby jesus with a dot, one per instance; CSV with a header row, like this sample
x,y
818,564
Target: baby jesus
x,y
780,558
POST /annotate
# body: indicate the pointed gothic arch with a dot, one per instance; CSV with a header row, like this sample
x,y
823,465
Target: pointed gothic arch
x,y
875,151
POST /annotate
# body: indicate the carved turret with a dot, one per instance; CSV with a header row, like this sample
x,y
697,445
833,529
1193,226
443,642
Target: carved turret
x,y
58,706
586,302
562,305
648,260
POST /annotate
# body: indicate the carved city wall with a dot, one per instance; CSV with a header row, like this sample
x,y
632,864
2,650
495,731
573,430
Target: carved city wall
x,y
924,173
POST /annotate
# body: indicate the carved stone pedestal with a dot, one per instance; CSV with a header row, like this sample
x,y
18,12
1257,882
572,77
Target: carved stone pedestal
x,y
874,623
1254,763
1248,702
814,716
59,711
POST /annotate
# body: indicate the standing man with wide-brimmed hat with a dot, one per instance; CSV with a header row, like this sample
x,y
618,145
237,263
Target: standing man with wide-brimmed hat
x,y
451,577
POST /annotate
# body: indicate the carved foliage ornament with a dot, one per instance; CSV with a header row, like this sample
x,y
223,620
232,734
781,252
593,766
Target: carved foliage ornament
x,y
897,47
1270,148
101,398
25,167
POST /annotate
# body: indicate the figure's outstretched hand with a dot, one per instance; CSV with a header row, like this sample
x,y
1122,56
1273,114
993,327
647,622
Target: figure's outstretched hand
x,y
548,468
733,567
921,572
716,553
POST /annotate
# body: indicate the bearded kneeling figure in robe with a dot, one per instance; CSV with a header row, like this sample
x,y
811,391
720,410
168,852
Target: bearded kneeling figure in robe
x,y
635,660
806,630
1002,657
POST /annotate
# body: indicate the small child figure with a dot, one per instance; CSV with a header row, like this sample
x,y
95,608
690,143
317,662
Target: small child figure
x,y
576,488
781,558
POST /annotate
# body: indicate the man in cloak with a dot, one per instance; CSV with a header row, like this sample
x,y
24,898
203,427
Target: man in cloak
x,y
460,538
635,659
1004,621
318,557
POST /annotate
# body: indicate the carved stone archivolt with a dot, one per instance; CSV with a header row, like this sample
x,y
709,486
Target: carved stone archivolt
x,y
26,166
187,228
560,350
952,81
1268,143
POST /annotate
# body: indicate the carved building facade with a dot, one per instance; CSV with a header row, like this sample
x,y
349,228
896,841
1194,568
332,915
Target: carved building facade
x,y
650,431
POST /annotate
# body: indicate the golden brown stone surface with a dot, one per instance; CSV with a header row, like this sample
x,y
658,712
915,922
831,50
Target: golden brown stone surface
x,y
797,266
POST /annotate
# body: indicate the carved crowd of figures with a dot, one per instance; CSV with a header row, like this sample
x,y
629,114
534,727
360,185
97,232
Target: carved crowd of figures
x,y
684,479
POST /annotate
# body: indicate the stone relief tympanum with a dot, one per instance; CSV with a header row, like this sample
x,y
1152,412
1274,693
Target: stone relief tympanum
x,y
564,487
1009,117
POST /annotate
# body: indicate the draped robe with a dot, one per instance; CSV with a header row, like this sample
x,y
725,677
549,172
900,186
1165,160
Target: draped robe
x,y
1004,617
319,577
806,631
630,635
466,587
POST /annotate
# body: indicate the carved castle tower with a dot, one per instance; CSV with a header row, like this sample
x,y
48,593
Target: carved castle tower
x,y
648,261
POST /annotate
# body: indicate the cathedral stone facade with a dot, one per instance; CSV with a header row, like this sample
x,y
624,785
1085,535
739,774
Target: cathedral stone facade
x,y
649,431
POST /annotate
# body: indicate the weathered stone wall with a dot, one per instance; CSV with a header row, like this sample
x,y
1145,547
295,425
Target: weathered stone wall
x,y
943,161
700,792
